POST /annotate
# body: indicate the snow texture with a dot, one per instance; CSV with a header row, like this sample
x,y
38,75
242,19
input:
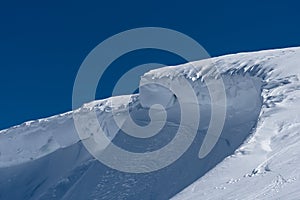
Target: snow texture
x,y
255,158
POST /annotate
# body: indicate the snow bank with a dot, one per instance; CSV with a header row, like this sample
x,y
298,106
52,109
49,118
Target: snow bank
x,y
45,159
266,165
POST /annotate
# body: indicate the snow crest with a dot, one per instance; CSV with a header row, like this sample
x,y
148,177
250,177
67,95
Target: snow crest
x,y
255,158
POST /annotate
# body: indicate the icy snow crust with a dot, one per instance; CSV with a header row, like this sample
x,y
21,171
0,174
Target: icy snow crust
x,y
45,159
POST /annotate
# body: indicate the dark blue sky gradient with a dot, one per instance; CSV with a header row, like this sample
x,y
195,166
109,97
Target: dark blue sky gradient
x,y
42,44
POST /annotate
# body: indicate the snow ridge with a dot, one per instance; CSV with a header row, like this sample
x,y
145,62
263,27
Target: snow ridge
x,y
263,99
264,167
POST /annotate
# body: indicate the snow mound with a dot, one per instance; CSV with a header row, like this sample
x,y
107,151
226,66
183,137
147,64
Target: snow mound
x,y
266,165
255,157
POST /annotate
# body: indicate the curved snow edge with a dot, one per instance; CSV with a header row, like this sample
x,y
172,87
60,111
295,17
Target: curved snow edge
x,y
16,142
266,165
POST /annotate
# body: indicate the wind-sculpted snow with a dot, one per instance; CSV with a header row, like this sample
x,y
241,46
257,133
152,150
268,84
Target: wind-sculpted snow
x,y
267,165
46,159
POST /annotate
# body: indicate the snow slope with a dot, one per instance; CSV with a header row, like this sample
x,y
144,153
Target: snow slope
x,y
267,165
256,156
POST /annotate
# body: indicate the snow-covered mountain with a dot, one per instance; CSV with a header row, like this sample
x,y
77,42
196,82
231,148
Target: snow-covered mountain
x,y
256,156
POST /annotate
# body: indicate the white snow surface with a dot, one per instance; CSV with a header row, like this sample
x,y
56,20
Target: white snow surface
x,y
267,165
257,156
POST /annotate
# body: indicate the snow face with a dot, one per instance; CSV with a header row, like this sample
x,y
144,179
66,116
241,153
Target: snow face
x,y
46,159
266,165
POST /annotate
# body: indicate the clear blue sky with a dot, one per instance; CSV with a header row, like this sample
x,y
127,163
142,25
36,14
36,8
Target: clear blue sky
x,y
42,44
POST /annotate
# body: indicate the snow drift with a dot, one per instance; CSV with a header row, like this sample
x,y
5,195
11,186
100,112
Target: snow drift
x,y
255,157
